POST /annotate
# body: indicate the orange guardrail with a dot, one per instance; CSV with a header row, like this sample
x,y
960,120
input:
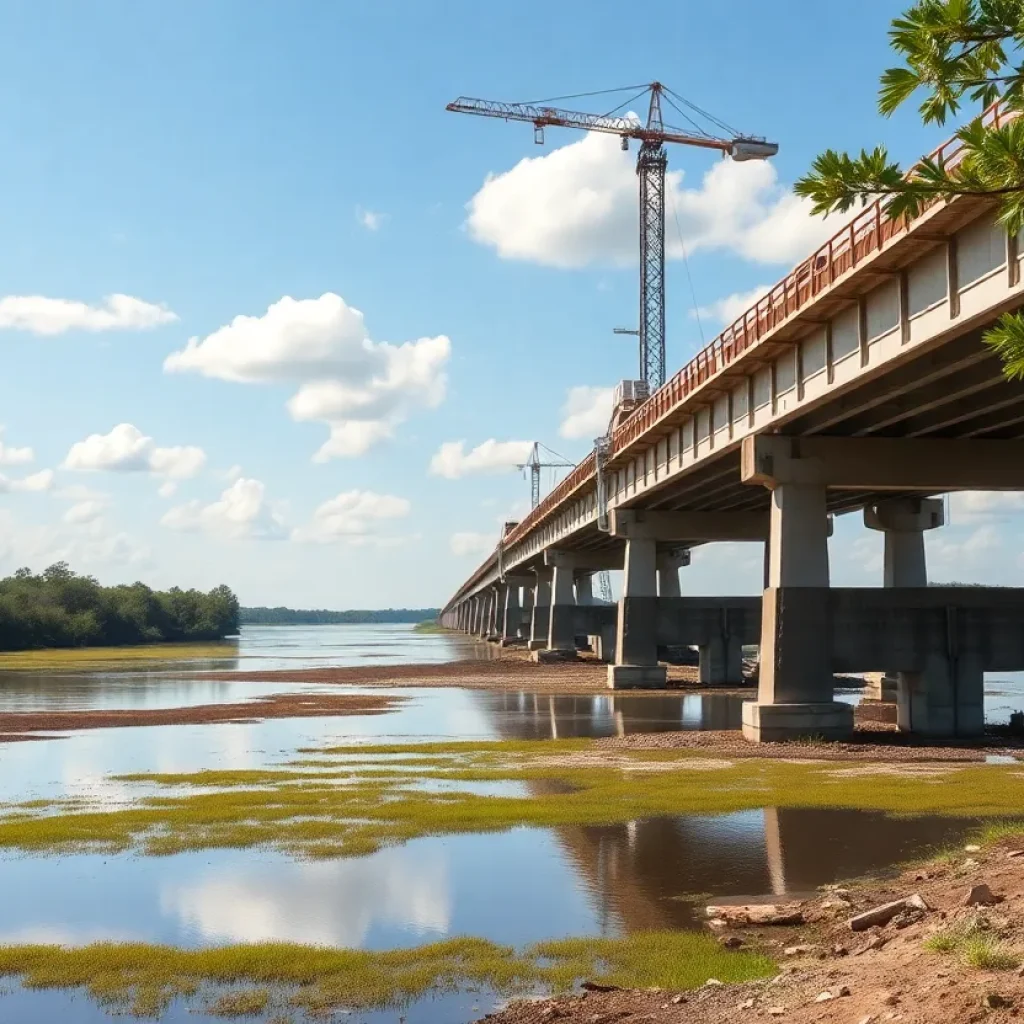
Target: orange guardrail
x,y
865,234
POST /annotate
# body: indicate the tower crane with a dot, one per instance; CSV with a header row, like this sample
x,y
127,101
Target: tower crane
x,y
535,464
650,168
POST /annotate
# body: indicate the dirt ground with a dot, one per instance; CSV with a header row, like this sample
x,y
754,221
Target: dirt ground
x,y
871,742
833,975
20,725
511,670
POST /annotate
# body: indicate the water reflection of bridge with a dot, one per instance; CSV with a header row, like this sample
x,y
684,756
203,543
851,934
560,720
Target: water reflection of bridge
x,y
637,871
546,716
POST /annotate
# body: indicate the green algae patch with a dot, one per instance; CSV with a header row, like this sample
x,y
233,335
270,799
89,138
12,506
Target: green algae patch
x,y
349,801
144,979
92,659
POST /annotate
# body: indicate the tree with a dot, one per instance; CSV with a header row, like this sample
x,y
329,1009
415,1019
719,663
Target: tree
x,y
951,50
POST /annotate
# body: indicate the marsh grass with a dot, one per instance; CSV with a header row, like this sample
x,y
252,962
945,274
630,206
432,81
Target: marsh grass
x,y
375,801
89,659
144,979
248,1002
974,946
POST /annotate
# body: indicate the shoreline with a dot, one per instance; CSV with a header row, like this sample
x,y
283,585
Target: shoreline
x,y
950,962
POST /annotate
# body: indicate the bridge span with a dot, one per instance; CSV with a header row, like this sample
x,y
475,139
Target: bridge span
x,y
859,383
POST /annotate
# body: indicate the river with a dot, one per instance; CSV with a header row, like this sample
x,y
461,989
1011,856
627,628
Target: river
x,y
519,886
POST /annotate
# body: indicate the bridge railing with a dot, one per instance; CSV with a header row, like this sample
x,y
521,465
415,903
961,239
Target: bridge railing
x,y
865,234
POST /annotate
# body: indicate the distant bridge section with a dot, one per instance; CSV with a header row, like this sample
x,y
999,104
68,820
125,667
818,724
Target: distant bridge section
x,y
860,381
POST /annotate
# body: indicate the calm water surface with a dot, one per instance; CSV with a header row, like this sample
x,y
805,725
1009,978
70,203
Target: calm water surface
x,y
516,887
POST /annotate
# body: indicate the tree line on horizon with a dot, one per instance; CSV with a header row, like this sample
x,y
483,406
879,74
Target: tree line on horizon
x,y
60,608
322,616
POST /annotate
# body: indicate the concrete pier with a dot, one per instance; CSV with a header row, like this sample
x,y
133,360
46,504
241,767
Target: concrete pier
x,y
636,655
903,522
512,620
562,621
540,614
795,687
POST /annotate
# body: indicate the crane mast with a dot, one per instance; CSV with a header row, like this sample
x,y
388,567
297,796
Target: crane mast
x,y
652,161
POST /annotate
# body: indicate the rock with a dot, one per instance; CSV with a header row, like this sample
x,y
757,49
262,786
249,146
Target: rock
x,y
593,986
712,983
869,1019
798,950
969,863
824,997
891,998
918,902
678,1000
972,848
757,913
883,914
747,1004
994,1001
839,950
716,924
775,1011
551,1013
844,991
1015,853
731,942
981,896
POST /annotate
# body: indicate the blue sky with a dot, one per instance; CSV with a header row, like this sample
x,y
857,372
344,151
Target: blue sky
x,y
211,159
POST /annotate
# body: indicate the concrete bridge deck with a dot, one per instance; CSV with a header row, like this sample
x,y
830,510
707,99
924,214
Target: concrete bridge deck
x,y
859,381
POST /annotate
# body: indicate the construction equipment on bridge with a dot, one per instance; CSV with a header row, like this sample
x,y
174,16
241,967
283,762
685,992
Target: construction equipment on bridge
x,y
535,465
650,168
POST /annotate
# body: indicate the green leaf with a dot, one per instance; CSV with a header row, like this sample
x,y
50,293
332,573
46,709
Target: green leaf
x,y
1007,340
897,85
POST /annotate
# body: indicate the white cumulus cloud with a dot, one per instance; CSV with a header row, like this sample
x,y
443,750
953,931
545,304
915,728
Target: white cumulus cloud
x,y
39,314
361,389
41,481
452,460
241,511
355,517
84,512
586,412
127,450
11,456
468,543
984,504
577,206
729,309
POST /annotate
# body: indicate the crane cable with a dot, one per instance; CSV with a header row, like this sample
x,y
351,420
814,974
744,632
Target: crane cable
x,y
686,264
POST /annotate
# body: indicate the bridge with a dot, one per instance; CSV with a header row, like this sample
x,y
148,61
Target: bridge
x,y
858,384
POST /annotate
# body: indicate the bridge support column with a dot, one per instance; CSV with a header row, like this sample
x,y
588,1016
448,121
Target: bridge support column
x,y
795,690
903,522
636,646
540,616
512,616
562,621
584,587
481,614
721,661
669,565
497,613
486,614
526,615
